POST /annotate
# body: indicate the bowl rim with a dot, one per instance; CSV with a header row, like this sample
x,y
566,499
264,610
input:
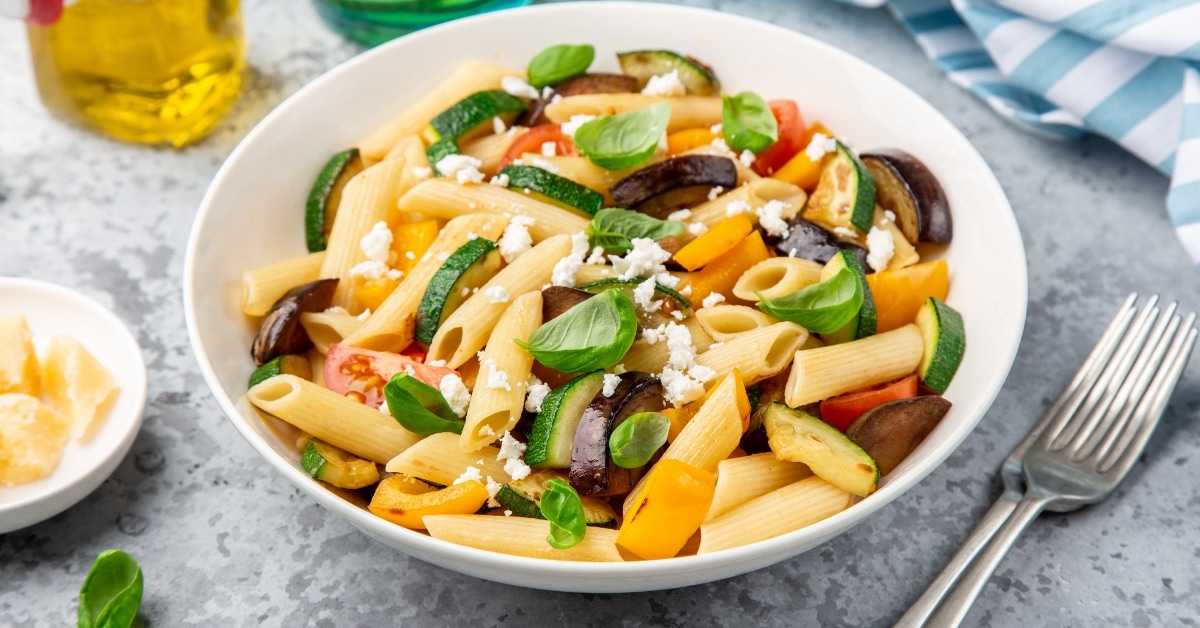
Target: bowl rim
x,y
728,562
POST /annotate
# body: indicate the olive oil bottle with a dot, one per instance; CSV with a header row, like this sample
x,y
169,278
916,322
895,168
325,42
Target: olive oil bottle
x,y
145,71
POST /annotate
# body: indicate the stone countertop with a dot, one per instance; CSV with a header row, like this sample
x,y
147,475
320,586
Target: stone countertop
x,y
225,541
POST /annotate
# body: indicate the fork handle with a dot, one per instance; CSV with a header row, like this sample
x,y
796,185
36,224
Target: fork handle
x,y
1000,511
962,597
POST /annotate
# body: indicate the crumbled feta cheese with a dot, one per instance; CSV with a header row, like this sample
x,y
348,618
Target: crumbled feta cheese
x,y
716,128
394,274
889,216
436,363
792,252
369,270
619,369
535,395
680,388
680,350
547,92
597,256
645,258
569,127
443,256
747,158
667,279
611,382
770,218
677,315
720,143
880,248
510,447
568,267
516,239
496,294
464,168
493,487
377,244
819,145
464,292
337,309
500,180
471,235
516,468
472,473
519,88
556,98
409,255
364,315
665,85
697,229
712,299
682,214
507,513
643,296
716,344
687,291
383,407
538,162
715,192
498,125
737,206
422,173
485,430
654,334
496,378
455,392
549,149
845,232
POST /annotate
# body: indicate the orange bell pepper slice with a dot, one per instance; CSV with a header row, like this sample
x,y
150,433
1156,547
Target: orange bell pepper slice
x,y
722,273
714,242
801,171
840,411
668,510
397,501
687,139
900,293
411,241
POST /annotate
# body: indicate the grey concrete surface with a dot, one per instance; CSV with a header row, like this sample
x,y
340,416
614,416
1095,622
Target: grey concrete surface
x,y
225,542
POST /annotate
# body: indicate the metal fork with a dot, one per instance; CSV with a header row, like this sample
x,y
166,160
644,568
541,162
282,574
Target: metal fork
x,y
1071,458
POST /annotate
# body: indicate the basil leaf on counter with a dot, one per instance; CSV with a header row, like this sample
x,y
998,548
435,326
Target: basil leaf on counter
x,y
747,122
820,308
562,507
592,335
559,63
635,440
623,140
419,407
111,592
614,229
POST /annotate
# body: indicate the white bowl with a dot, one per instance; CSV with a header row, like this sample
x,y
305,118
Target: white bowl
x,y
252,216
51,309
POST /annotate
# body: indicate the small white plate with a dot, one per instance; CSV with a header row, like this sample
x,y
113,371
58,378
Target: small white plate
x,y
51,309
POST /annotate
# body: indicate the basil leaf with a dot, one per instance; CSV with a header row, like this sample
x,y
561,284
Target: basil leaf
x,y
747,122
614,229
820,308
111,592
562,507
559,63
419,407
636,439
624,140
592,335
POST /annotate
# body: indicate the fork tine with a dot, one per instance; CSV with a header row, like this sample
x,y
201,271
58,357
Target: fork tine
x,y
1152,406
1065,428
1129,390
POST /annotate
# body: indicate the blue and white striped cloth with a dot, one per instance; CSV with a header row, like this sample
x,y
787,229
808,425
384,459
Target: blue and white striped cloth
x,y
1125,69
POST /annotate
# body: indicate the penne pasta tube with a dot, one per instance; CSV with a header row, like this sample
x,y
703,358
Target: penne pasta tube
x,y
740,480
777,277
411,150
471,77
904,254
439,459
337,420
466,330
651,358
822,373
327,328
390,328
521,536
496,405
593,272
262,287
445,198
781,511
713,433
490,149
755,195
724,322
686,111
756,354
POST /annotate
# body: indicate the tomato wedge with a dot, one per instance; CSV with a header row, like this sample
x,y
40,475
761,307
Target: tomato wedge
x,y
791,140
533,139
841,411
361,374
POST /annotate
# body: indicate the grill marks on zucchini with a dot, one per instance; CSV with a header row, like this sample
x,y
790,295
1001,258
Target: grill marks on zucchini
x,y
845,194
468,268
557,189
644,64
326,194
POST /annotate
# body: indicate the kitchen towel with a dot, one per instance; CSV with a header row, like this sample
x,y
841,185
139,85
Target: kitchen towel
x,y
1126,69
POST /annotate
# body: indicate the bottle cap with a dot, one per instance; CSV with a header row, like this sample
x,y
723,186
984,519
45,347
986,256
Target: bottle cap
x,y
39,12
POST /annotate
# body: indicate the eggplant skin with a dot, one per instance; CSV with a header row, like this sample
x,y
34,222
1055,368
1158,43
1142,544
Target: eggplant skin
x,y
280,332
688,171
891,431
556,300
906,184
591,83
589,456
808,240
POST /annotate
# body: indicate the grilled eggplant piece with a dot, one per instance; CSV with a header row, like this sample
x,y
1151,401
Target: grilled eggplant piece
x,y
890,431
592,83
281,332
808,240
559,299
673,184
907,187
593,471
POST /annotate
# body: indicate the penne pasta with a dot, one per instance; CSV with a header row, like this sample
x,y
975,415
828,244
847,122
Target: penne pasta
x,y
444,198
740,480
777,277
756,354
724,322
262,287
713,433
490,149
651,358
327,328
686,111
755,195
781,511
439,459
583,172
337,420
521,536
496,406
822,373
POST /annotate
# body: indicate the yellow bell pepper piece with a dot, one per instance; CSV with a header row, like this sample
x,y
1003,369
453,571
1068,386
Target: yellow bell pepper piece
x,y
801,171
709,246
397,501
414,238
687,139
722,273
668,510
371,294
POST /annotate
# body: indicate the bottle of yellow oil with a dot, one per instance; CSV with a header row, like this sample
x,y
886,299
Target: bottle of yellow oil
x,y
145,71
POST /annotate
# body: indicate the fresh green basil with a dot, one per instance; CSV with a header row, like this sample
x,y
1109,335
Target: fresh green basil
x,y
747,122
111,592
559,63
636,439
614,229
562,507
419,407
592,335
624,140
820,308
